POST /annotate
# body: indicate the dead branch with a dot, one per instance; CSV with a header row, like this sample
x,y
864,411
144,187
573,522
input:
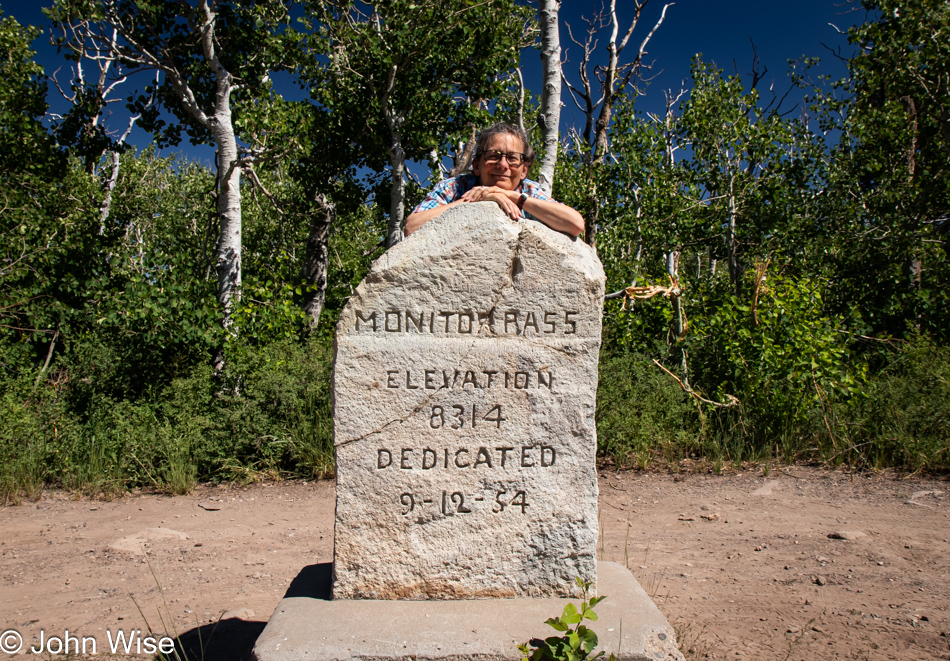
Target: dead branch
x,y
252,175
49,356
760,270
733,401
647,291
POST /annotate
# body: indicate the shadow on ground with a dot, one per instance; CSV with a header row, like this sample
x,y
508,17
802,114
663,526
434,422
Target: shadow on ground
x,y
233,639
226,640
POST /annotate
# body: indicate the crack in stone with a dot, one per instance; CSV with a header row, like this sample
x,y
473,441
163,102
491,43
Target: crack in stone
x,y
516,259
415,410
428,398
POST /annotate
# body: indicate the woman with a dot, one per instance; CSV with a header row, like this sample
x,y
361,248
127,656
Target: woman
x,y
502,159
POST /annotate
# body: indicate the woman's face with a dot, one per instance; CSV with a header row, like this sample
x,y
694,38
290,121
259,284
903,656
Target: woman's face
x,y
502,173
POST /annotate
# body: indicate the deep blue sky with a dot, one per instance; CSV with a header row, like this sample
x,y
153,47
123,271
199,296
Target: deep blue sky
x,y
722,30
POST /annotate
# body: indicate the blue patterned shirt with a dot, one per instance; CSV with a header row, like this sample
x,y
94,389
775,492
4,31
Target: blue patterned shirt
x,y
449,190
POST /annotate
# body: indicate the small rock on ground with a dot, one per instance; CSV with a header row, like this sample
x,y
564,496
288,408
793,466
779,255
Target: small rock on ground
x,y
847,535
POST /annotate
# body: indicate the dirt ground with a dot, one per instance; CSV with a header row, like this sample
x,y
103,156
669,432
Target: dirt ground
x,y
743,565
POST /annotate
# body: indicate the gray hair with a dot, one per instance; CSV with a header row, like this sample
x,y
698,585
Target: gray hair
x,y
501,128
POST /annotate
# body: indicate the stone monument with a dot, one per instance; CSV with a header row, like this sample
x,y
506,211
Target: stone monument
x,y
464,387
464,390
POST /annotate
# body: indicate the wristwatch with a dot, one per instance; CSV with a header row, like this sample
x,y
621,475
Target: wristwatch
x,y
521,200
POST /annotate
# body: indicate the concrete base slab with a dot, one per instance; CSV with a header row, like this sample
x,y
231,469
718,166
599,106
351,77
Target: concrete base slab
x,y
307,625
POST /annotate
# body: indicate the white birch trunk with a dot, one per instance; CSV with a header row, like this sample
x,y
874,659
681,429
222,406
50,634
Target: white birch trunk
x,y
731,247
228,261
219,122
397,159
672,269
609,94
397,203
109,188
316,260
550,116
221,125
679,320
463,156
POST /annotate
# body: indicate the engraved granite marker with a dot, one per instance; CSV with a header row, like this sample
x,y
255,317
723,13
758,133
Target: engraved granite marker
x,y
464,390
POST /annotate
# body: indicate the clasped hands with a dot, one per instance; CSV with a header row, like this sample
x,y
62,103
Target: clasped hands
x,y
500,196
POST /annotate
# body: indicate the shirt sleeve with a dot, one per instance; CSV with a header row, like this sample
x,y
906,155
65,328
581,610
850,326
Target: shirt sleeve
x,y
536,191
445,191
533,189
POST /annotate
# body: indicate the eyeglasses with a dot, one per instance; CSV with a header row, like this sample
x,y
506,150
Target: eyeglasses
x,y
492,156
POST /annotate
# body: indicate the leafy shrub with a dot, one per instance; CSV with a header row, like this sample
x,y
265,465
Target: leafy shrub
x,y
641,411
270,417
21,443
904,418
780,355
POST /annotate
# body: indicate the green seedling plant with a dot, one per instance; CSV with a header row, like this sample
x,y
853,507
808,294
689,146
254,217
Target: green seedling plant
x,y
578,642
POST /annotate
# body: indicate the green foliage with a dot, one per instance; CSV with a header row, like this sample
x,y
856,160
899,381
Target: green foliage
x,y
754,188
148,312
903,419
578,642
271,419
25,147
268,310
361,65
21,452
128,398
901,83
751,174
641,412
779,354
37,211
887,193
246,44
392,92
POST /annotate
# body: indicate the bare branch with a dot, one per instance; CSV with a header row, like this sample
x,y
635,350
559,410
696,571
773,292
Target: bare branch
x,y
633,25
589,106
54,78
756,76
643,46
692,393
572,90
252,175
49,357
